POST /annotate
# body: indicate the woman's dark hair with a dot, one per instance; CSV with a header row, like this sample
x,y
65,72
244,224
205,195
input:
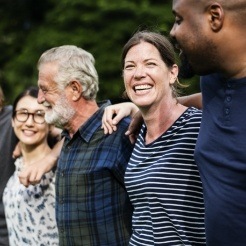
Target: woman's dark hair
x,y
162,44
30,91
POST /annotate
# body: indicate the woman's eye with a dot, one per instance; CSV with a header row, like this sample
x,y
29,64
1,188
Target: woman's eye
x,y
151,64
23,113
40,113
129,67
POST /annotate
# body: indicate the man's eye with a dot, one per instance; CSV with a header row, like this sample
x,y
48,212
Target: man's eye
x,y
178,20
43,90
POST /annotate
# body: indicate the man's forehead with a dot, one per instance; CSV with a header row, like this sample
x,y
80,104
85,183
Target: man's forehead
x,y
183,5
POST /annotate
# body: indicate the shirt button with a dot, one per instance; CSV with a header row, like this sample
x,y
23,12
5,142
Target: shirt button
x,y
61,201
227,111
228,98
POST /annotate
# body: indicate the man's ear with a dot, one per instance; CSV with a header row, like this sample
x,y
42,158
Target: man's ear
x,y
216,16
76,89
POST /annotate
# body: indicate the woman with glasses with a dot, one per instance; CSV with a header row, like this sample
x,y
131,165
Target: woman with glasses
x,y
30,211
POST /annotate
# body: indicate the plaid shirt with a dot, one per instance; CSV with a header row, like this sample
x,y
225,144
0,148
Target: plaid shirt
x,y
92,206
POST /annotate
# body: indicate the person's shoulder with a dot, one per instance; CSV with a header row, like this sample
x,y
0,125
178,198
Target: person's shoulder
x,y
213,77
6,110
6,114
193,113
123,124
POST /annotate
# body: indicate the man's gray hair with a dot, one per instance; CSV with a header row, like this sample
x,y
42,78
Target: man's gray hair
x,y
74,63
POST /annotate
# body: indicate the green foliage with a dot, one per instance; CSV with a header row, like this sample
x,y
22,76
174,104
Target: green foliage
x,y
102,27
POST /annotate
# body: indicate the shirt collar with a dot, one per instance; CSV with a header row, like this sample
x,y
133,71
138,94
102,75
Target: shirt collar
x,y
87,130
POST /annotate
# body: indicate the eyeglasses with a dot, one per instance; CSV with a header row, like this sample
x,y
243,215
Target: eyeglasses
x,y
22,115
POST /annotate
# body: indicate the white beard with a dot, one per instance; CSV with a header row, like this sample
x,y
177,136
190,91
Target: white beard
x,y
60,114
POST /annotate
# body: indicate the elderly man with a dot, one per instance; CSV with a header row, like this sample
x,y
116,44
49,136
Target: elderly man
x,y
92,206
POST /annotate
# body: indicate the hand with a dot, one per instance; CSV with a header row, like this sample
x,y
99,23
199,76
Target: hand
x,y
32,174
134,127
114,113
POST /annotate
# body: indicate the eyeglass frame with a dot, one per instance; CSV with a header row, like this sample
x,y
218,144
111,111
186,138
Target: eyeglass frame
x,y
28,115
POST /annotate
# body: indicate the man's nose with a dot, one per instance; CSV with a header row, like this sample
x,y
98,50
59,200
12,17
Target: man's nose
x,y
40,98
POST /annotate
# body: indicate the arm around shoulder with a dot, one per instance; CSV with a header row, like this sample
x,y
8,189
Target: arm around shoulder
x,y
33,173
193,100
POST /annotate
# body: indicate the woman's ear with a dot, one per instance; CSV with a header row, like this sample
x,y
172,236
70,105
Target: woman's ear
x,y
174,73
216,16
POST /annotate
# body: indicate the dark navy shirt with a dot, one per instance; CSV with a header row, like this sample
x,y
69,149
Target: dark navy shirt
x,y
221,158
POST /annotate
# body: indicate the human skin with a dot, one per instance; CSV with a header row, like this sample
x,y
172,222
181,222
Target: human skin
x,y
206,31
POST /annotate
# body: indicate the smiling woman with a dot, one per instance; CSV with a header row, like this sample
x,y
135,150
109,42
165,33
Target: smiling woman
x,y
162,178
30,212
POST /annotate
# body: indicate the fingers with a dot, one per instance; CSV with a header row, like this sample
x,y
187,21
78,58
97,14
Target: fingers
x,y
113,114
132,138
28,177
135,124
107,120
24,178
118,116
108,129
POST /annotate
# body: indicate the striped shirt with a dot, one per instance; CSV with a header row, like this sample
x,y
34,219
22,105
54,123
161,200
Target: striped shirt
x,y
164,186
92,206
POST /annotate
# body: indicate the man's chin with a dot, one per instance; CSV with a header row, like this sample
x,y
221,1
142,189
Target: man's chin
x,y
49,119
185,70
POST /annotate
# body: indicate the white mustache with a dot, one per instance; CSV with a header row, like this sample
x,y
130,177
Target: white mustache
x,y
46,104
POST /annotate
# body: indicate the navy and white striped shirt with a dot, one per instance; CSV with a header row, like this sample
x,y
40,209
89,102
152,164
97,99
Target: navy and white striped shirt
x,y
164,186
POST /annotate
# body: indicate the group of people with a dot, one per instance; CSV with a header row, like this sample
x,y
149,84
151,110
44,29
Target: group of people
x,y
183,180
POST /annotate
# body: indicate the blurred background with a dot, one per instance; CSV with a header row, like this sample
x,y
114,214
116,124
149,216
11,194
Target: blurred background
x,y
102,27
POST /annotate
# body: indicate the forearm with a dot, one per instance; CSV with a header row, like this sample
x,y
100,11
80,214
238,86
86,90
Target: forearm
x,y
33,173
193,100
51,159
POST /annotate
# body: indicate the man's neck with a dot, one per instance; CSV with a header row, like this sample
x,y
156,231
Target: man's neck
x,y
83,112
